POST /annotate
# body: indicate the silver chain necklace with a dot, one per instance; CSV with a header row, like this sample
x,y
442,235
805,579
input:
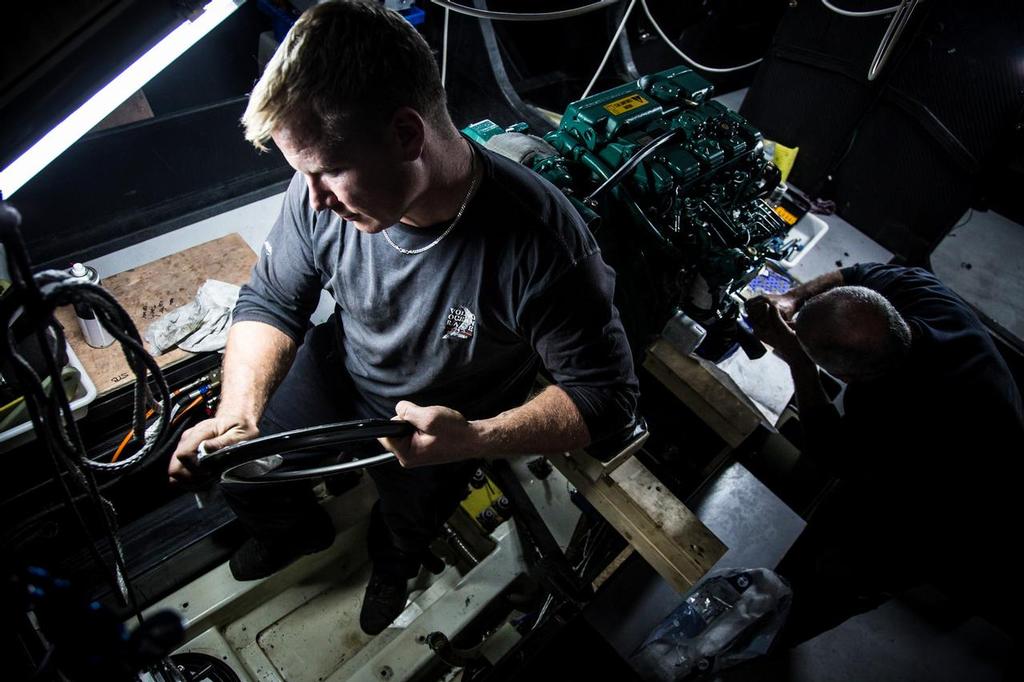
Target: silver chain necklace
x,y
465,202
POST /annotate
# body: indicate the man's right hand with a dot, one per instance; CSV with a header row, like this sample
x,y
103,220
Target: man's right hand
x,y
787,304
216,433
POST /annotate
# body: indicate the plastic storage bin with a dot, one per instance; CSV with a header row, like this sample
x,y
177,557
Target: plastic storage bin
x,y
24,433
808,231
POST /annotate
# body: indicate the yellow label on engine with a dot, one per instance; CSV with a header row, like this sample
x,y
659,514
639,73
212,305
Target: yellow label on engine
x,y
621,106
786,216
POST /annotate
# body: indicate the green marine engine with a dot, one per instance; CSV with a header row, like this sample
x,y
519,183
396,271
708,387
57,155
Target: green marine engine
x,y
675,186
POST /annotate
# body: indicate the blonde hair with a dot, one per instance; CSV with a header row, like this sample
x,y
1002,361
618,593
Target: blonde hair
x,y
345,66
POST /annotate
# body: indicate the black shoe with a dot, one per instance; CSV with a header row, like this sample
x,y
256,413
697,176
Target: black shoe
x,y
257,558
383,602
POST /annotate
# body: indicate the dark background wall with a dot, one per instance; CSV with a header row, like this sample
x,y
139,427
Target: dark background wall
x,y
122,185
906,155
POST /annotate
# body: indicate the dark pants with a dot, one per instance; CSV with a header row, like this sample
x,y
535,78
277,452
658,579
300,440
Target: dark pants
x,y
413,504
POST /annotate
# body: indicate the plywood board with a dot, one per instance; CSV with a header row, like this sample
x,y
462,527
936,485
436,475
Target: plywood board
x,y
148,292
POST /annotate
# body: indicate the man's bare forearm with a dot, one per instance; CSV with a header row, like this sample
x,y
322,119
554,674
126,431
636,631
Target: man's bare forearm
x,y
549,422
819,285
256,359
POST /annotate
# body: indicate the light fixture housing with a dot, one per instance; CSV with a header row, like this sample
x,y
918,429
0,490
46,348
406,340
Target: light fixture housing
x,y
112,95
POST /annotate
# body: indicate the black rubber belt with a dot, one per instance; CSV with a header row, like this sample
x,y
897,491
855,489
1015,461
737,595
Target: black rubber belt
x,y
273,449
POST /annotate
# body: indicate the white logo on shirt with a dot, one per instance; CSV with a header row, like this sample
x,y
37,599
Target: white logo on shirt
x,y
460,324
268,249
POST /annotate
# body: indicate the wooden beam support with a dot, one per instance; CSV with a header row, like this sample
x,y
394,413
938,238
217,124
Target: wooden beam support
x,y
660,527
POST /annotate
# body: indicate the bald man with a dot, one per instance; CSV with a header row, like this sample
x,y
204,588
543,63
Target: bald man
x,y
928,436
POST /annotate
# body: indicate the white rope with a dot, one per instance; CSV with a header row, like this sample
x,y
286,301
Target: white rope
x,y
444,48
865,13
523,16
687,58
611,46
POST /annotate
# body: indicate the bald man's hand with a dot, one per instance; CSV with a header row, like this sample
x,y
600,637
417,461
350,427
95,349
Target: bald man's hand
x,y
787,304
772,328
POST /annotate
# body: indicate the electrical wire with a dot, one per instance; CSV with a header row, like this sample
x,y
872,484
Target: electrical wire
x,y
902,11
14,403
24,524
210,380
692,62
444,48
124,443
524,16
36,297
865,13
64,290
611,46
891,36
542,613
59,413
177,418
626,168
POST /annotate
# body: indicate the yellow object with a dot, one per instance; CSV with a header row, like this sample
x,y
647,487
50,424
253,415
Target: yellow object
x,y
13,403
621,106
784,159
786,216
481,498
15,412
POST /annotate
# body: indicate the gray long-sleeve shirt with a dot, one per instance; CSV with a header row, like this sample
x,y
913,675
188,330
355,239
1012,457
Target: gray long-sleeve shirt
x,y
518,284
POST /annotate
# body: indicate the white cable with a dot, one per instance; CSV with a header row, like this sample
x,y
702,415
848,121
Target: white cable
x,y
611,46
866,13
523,16
682,54
444,48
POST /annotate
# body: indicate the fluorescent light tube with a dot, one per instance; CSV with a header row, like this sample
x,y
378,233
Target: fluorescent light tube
x,y
112,95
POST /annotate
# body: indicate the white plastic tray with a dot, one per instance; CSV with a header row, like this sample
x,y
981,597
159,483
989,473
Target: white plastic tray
x,y
24,433
808,231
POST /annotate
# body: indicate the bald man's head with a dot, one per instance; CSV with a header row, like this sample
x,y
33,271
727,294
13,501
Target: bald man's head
x,y
854,333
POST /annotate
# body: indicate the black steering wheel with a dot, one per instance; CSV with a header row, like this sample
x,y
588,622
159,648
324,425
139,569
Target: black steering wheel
x,y
276,458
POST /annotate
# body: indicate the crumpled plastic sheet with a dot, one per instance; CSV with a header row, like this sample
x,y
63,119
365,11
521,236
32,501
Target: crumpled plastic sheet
x,y
198,326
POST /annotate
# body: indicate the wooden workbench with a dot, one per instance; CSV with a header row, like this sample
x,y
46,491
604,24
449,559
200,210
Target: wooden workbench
x,y
148,292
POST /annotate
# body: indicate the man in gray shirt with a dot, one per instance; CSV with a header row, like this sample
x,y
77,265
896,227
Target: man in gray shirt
x,y
458,275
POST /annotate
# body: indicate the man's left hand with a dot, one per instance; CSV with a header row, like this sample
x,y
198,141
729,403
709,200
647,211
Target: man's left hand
x,y
442,435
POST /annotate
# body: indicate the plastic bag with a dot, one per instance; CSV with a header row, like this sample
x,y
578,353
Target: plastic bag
x,y
730,616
